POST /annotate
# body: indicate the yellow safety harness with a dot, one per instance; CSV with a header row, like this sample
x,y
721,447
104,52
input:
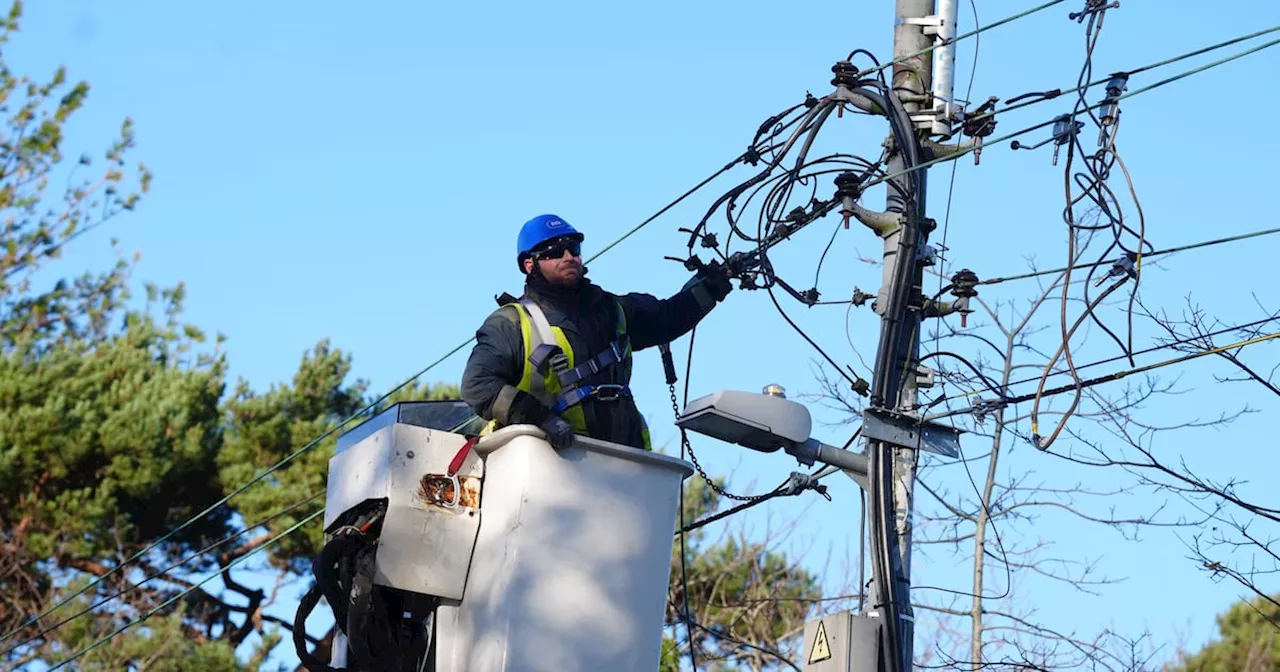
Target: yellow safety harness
x,y
552,375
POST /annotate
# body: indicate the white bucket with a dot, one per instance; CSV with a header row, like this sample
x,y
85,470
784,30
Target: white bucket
x,y
571,562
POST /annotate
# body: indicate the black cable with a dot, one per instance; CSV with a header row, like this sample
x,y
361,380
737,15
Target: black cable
x,y
862,551
774,299
1157,348
684,570
1097,182
730,638
684,529
818,272
733,193
160,573
886,385
1146,89
879,68
1156,253
169,602
1110,377
992,385
946,219
684,580
360,413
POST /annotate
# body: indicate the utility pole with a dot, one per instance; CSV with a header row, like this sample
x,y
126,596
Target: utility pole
x,y
898,375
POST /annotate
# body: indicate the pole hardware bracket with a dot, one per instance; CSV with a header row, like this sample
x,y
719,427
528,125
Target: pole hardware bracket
x,y
930,24
906,431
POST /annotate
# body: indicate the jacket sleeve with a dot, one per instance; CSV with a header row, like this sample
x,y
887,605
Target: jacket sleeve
x,y
493,370
652,321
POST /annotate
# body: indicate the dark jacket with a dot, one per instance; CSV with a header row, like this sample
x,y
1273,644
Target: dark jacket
x,y
588,316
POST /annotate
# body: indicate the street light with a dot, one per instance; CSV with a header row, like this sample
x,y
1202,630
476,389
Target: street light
x,y
767,422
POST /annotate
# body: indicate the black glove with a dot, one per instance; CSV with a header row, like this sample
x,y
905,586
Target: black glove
x,y
709,285
559,433
716,279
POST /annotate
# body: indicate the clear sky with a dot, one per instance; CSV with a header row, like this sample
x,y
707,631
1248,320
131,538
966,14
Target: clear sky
x,y
360,174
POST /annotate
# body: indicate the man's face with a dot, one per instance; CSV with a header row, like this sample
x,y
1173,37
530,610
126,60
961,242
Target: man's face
x,y
559,261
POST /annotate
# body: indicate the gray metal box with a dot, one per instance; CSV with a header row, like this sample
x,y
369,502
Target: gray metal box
x,y
425,546
841,642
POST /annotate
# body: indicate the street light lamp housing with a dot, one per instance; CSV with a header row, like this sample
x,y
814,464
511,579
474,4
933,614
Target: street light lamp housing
x,y
762,422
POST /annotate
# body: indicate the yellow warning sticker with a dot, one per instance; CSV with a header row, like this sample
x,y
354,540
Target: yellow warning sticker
x,y
821,650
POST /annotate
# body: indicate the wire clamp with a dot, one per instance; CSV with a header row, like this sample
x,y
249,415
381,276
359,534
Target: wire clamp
x,y
1064,129
984,407
1109,110
1124,266
978,124
1091,7
801,481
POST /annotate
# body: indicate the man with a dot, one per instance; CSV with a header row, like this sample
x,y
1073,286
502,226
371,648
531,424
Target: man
x,y
560,356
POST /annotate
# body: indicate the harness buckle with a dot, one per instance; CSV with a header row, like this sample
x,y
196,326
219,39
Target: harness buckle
x,y
609,392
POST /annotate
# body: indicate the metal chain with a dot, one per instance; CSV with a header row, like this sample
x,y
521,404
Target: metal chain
x,y
684,440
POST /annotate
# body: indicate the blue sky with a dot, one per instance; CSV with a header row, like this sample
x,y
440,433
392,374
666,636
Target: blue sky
x,y
327,172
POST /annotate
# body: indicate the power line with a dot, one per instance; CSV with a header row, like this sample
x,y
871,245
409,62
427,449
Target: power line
x,y
169,535
1205,50
339,426
664,209
720,634
1053,94
1145,255
1157,348
955,165
608,247
293,528
956,155
138,586
1116,376
957,38
887,178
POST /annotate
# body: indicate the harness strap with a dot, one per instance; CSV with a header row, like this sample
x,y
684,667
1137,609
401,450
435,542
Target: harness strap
x,y
546,351
605,392
616,352
540,323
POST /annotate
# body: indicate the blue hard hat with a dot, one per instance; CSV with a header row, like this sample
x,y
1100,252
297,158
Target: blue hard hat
x,y
541,229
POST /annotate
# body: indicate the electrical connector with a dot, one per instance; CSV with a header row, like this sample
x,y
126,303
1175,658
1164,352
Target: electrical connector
x,y
1064,129
964,286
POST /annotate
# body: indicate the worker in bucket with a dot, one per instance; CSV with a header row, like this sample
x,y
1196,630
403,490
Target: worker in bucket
x,y
559,357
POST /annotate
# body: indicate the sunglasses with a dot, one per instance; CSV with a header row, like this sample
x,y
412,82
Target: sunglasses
x,y
556,249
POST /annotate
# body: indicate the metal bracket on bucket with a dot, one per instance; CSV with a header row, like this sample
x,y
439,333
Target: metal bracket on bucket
x,y
435,488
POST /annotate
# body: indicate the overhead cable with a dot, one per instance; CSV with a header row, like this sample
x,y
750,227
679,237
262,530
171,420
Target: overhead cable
x,y
1148,255
164,605
1115,376
1053,94
160,573
1043,124
1156,348
272,469
630,232
963,36
1095,180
